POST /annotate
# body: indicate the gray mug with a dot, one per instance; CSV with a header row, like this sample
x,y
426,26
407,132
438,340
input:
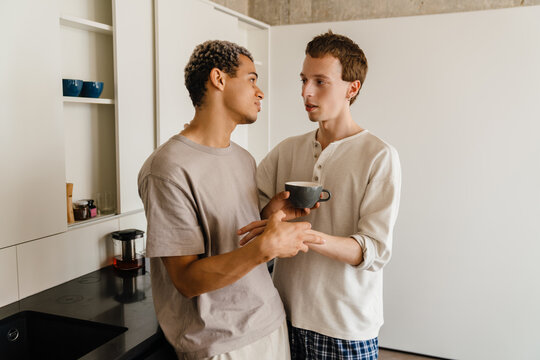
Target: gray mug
x,y
305,194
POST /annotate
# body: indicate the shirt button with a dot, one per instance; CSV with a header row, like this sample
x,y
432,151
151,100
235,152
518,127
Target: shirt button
x,y
316,156
316,178
319,166
316,144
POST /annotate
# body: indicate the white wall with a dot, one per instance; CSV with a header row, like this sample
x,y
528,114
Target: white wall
x,y
458,96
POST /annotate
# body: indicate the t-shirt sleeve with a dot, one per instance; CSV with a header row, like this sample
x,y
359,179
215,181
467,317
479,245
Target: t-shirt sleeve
x,y
379,210
173,227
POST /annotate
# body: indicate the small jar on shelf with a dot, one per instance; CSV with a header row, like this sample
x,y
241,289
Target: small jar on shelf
x,y
92,208
81,210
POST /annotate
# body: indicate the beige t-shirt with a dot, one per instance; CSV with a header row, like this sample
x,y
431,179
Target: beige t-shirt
x,y
195,198
364,176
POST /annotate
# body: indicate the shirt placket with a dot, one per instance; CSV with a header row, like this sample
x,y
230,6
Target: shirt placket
x,y
321,157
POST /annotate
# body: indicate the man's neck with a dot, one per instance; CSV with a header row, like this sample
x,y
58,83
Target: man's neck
x,y
210,128
337,129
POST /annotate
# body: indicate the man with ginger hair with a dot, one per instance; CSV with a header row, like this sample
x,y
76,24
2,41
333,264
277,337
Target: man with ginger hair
x,y
333,294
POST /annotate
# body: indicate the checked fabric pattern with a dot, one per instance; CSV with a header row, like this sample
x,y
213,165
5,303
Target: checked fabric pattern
x,y
309,345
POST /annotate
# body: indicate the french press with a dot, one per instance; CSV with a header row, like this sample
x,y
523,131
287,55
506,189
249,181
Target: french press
x,y
129,244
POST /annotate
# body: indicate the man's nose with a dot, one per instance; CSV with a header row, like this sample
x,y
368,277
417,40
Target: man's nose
x,y
306,90
259,93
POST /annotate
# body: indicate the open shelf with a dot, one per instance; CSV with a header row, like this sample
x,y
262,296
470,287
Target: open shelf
x,y
89,130
87,100
85,24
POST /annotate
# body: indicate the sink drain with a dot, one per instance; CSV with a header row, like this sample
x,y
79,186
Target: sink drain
x,y
13,334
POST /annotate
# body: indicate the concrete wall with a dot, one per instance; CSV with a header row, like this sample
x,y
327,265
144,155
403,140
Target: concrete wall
x,y
286,12
242,6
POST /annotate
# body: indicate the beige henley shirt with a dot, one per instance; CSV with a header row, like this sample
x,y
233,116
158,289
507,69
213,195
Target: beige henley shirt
x,y
363,174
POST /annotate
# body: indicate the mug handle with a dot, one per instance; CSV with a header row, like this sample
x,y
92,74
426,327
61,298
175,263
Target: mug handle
x,y
325,199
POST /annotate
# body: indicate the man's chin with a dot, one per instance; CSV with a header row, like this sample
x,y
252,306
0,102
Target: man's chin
x,y
248,121
313,118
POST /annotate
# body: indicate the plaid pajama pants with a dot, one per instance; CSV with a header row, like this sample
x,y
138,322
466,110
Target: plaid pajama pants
x,y
309,345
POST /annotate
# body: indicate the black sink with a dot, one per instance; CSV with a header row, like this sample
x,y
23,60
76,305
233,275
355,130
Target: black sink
x,y
35,335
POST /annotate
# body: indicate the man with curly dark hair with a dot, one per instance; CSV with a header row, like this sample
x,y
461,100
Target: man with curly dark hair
x,y
214,299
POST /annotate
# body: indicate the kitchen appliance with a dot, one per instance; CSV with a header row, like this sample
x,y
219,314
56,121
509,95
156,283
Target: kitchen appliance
x,y
129,245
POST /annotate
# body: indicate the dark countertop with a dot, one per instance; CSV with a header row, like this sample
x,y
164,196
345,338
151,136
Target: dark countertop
x,y
105,296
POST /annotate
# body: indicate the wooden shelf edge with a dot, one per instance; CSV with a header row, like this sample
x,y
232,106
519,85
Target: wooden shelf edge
x,y
86,100
84,24
95,220
100,218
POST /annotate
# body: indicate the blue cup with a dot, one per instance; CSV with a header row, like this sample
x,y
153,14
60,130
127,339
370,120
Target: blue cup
x,y
71,87
92,89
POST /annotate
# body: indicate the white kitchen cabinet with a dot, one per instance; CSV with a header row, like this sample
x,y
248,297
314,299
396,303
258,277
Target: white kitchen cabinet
x,y
47,262
31,131
8,276
135,110
180,26
47,139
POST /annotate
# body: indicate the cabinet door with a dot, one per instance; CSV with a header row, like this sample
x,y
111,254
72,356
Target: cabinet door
x,y
134,67
180,26
33,190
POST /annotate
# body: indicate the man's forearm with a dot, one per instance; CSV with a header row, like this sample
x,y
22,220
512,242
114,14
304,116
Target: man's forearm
x,y
193,276
344,249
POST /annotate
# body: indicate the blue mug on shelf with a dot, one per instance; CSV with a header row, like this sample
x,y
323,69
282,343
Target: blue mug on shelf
x,y
92,89
71,87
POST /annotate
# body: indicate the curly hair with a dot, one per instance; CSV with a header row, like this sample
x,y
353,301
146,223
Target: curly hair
x,y
352,58
220,54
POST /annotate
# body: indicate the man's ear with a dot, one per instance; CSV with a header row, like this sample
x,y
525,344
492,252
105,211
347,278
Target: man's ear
x,y
217,78
354,88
